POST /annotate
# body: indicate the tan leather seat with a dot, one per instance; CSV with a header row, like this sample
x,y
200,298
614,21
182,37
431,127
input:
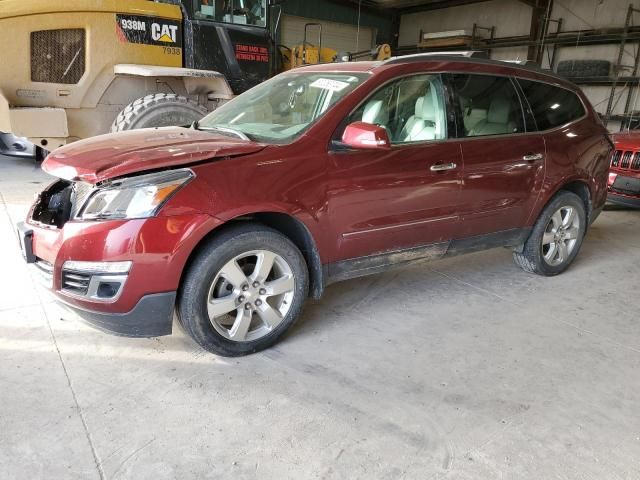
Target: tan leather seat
x,y
408,127
376,113
497,121
427,124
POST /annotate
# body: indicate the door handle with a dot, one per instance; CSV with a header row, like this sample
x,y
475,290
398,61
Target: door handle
x,y
441,167
532,157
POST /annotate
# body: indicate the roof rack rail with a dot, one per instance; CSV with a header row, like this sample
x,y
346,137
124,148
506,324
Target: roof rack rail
x,y
465,57
521,62
426,55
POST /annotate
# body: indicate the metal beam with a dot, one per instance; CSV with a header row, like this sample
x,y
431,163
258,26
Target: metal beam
x,y
436,5
366,6
538,30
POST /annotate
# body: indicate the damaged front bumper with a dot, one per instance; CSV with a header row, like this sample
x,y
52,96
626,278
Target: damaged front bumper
x,y
120,276
151,316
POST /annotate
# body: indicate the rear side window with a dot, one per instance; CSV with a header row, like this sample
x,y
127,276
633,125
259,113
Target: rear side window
x,y
489,105
551,106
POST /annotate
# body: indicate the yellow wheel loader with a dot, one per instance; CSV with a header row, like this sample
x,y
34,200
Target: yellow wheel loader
x,y
308,53
77,68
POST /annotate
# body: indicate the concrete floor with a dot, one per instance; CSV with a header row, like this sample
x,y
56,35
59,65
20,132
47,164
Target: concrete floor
x,y
467,368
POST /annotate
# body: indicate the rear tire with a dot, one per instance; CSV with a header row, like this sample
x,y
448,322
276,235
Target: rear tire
x,y
243,290
158,110
556,237
584,68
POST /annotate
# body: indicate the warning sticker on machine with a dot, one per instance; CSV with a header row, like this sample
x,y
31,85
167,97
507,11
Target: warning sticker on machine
x,y
149,30
328,84
252,53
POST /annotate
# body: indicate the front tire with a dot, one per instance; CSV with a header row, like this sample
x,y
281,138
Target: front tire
x,y
556,237
243,290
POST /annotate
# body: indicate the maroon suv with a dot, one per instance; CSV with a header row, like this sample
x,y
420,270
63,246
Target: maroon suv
x,y
318,175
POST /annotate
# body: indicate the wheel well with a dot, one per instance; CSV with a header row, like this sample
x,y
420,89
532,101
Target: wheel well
x,y
291,228
582,190
578,187
299,234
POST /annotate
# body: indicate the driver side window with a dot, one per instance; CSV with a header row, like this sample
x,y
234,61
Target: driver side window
x,y
411,109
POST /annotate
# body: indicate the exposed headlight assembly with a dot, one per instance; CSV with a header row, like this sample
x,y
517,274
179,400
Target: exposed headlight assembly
x,y
134,197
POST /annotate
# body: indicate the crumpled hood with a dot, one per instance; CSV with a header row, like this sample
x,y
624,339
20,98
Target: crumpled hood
x,y
114,155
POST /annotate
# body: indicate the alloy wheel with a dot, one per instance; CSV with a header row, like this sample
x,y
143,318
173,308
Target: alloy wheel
x,y
251,295
561,236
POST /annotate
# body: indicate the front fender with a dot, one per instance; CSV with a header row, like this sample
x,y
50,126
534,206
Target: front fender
x,y
308,220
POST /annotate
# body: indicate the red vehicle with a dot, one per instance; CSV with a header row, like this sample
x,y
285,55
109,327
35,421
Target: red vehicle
x,y
320,174
624,174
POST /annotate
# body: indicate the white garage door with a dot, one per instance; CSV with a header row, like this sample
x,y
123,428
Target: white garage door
x,y
339,36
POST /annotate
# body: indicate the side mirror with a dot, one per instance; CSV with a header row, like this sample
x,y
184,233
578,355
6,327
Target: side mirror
x,y
366,135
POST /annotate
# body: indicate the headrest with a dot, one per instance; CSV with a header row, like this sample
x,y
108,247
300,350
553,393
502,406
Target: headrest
x,y
417,111
375,113
428,110
499,110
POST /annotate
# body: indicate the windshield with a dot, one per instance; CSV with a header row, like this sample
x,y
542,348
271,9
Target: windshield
x,y
280,109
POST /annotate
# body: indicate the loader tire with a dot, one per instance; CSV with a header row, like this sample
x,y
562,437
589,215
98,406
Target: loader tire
x,y
158,110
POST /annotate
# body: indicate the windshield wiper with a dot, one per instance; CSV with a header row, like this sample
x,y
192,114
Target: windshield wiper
x,y
196,126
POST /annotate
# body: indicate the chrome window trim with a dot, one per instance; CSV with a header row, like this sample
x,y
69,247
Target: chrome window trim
x,y
332,139
515,77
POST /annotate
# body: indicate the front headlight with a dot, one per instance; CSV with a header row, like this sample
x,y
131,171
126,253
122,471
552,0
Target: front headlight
x,y
134,197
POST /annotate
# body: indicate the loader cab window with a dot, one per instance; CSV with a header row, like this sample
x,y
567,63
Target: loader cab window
x,y
240,12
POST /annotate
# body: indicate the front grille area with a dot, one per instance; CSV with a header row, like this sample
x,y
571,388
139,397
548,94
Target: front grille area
x,y
96,286
53,207
626,160
58,56
615,160
75,282
61,202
